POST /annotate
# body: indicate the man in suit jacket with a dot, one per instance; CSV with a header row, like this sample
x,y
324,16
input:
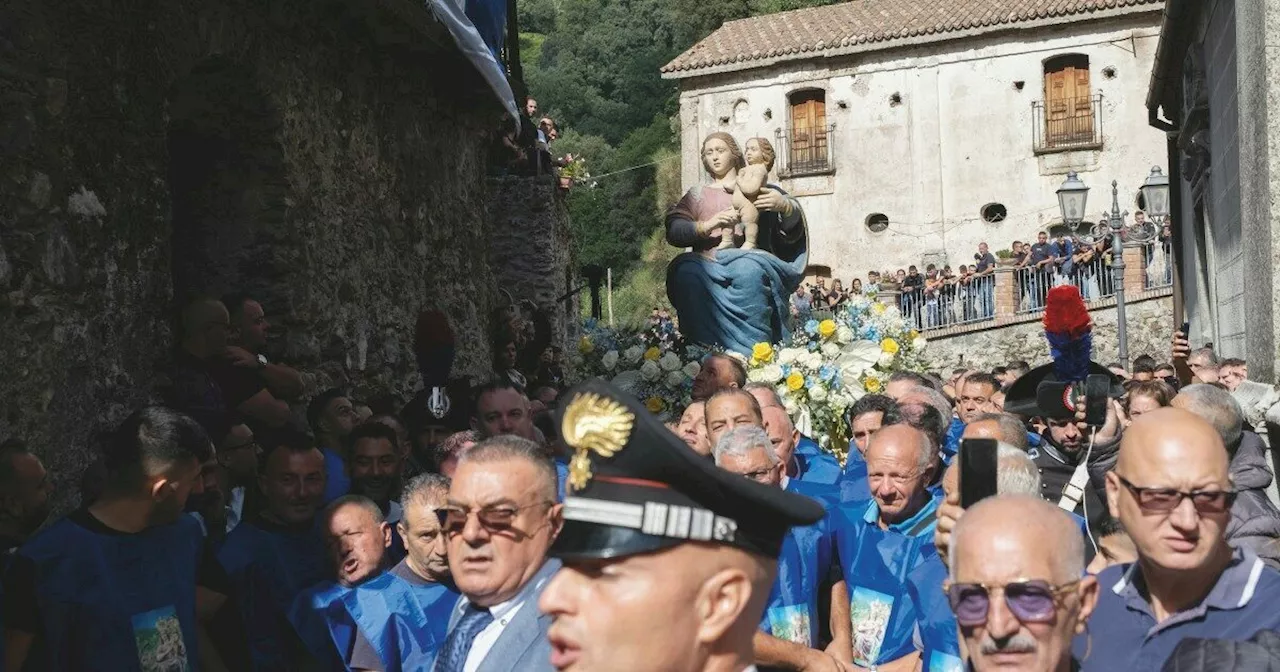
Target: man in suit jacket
x,y
499,521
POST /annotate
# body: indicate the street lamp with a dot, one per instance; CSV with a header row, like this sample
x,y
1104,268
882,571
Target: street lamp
x,y
1155,193
1072,196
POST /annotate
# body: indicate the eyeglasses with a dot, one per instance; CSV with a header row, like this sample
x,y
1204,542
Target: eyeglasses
x,y
1030,600
1164,500
492,518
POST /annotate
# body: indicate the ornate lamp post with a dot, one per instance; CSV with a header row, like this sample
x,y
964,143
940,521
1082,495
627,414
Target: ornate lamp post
x,y
1155,192
1117,276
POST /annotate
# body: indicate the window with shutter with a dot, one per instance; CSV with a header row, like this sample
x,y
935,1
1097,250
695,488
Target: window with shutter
x,y
1068,102
808,136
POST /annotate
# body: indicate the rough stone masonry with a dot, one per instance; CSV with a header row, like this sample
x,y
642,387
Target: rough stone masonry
x,y
328,156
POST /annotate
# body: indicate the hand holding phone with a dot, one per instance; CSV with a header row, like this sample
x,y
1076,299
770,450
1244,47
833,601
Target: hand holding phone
x,y
978,459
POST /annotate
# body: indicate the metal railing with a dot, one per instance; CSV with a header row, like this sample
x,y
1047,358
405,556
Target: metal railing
x,y
1069,123
804,151
1095,279
957,301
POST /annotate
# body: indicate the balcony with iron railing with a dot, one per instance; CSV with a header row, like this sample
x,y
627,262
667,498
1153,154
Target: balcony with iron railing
x,y
1067,124
804,151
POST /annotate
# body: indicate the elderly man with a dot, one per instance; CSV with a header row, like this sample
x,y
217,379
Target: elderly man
x,y
1232,372
719,372
693,428
357,538
804,460
1255,522
1001,427
876,542
1016,474
402,616
679,575
1017,585
802,567
1171,490
501,408
499,520
952,426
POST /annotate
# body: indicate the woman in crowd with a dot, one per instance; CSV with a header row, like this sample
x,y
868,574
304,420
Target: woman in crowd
x,y
1146,396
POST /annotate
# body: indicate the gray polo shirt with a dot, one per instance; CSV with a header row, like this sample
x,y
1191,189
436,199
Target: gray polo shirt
x,y
1125,634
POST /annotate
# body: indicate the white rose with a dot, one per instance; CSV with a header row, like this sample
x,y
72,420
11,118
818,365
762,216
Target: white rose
x,y
818,393
650,371
830,350
789,405
844,335
609,360
670,362
675,379
758,376
788,355
772,373
918,343
811,360
691,369
633,354
886,359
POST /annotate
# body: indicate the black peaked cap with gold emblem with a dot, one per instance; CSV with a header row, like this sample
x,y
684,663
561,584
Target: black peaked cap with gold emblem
x,y
634,487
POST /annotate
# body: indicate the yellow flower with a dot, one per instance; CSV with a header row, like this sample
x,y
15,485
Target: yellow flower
x,y
655,404
795,381
762,353
877,308
653,354
872,384
585,346
826,328
913,335
890,346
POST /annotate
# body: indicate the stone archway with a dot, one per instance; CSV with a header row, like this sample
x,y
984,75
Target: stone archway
x,y
226,181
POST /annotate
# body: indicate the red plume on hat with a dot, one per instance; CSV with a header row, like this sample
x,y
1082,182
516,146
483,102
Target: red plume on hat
x,y
1069,330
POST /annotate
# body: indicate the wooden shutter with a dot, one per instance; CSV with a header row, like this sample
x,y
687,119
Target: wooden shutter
x,y
808,141
1068,103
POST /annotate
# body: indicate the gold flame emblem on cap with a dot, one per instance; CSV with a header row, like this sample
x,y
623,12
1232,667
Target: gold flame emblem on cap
x,y
593,424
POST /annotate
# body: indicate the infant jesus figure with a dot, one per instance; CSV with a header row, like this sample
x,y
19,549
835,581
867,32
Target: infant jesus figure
x,y
759,157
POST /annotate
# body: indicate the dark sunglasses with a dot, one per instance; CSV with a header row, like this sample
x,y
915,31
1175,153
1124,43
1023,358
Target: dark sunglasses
x,y
1030,600
1164,500
492,518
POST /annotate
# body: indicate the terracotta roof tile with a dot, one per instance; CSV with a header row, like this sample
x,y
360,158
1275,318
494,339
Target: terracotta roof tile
x,y
861,22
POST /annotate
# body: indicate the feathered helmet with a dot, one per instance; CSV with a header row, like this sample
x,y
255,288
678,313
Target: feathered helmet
x,y
1046,390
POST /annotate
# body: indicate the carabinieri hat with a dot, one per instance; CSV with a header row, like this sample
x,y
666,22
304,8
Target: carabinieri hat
x,y
634,487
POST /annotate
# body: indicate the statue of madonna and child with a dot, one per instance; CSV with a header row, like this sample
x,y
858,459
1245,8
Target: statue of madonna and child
x,y
731,296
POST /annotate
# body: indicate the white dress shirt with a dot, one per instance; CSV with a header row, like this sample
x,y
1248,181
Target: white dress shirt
x,y
504,612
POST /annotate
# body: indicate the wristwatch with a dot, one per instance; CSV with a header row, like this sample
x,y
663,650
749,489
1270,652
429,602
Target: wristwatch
x,y
262,361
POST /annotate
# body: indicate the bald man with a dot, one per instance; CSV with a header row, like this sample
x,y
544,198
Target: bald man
x,y
1171,490
206,386
876,542
806,461
1017,584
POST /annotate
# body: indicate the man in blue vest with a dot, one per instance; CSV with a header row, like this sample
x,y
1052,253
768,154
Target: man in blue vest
x,y
126,583
332,418
866,417
357,538
274,556
878,543
789,631
804,459
403,615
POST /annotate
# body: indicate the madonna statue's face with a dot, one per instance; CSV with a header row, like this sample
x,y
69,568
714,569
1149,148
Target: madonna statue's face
x,y
718,157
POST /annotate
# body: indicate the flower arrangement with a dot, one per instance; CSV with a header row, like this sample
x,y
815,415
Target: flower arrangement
x,y
657,370
829,364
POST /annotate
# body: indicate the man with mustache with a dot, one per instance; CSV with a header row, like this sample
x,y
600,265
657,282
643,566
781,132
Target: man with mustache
x,y
668,559
274,556
356,537
1171,490
1017,585
500,518
393,605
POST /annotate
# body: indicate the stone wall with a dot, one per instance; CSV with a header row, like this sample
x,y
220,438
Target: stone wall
x,y
530,248
1150,324
327,156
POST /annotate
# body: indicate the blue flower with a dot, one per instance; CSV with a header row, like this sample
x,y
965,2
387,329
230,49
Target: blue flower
x,y
827,372
811,327
786,370
813,346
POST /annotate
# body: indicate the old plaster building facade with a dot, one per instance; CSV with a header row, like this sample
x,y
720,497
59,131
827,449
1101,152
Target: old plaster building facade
x,y
912,130
1216,89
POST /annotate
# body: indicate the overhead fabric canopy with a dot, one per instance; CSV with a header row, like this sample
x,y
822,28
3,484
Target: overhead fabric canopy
x,y
481,53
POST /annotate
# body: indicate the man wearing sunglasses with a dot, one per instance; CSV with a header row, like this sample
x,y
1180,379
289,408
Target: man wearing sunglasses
x,y
1172,492
1017,585
499,520
668,559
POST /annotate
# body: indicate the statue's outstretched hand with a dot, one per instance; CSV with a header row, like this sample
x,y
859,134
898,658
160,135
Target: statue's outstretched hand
x,y
713,227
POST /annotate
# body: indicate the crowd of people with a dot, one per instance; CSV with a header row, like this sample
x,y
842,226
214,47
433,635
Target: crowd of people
x,y
942,296
528,526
